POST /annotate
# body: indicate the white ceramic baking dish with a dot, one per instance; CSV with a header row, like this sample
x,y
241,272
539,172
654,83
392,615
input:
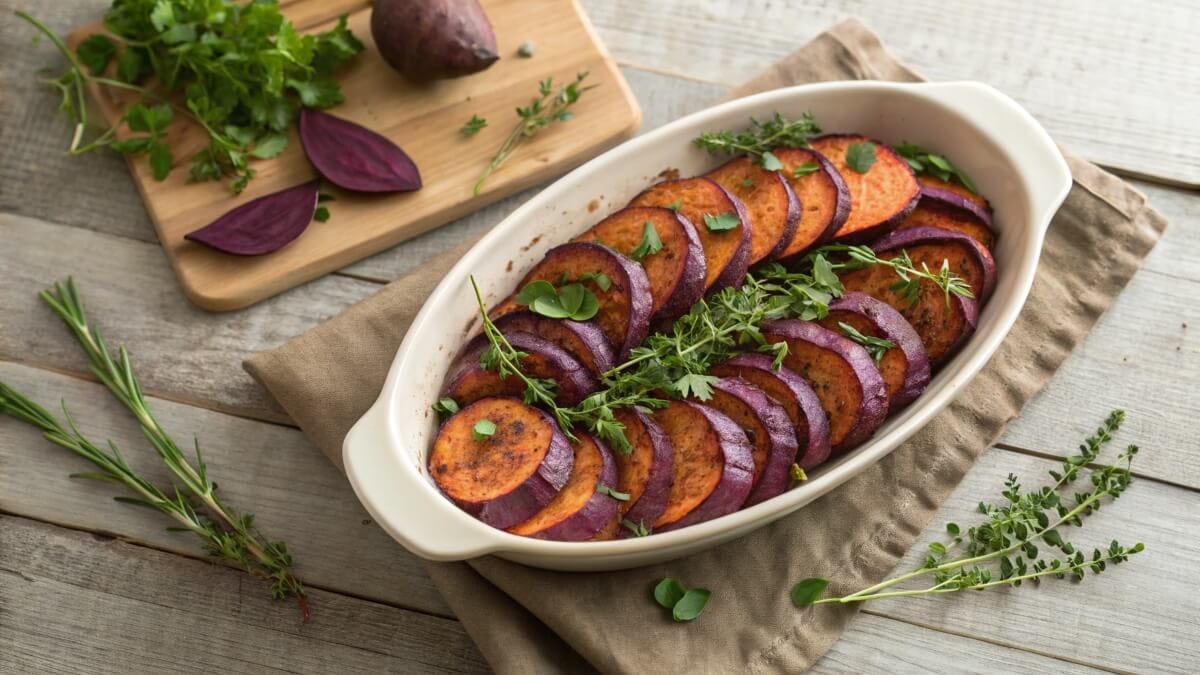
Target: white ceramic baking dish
x,y
1009,156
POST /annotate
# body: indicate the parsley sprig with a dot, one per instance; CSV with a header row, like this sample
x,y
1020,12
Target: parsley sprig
x,y
923,161
1022,538
548,108
238,70
761,137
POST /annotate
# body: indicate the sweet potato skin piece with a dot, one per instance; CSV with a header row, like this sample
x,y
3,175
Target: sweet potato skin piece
x,y
841,372
581,339
879,198
646,473
624,314
767,427
726,253
468,381
931,213
904,367
676,273
579,511
713,464
511,475
824,199
770,201
809,422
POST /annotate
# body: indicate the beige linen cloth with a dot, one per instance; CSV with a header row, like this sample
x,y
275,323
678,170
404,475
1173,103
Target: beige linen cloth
x,y
527,620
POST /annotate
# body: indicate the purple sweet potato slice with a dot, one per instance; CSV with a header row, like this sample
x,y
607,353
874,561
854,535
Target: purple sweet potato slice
x,y
931,246
956,195
646,473
624,313
468,381
433,39
943,326
262,225
580,511
842,373
581,339
770,201
809,422
353,157
767,427
676,271
934,213
726,252
714,467
879,198
509,476
905,366
824,198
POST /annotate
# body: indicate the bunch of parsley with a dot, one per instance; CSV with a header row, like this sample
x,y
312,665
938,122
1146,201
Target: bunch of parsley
x,y
239,70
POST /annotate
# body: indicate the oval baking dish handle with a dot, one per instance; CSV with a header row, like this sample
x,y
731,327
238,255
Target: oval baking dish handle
x,y
403,502
1029,146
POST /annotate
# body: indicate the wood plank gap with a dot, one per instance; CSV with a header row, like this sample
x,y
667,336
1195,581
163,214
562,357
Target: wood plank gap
x,y
1094,465
362,277
202,557
671,73
991,641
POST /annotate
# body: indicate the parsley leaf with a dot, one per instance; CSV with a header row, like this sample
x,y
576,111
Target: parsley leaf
x,y
924,162
446,406
95,53
695,384
473,126
483,430
770,162
860,157
804,169
721,223
649,245
269,146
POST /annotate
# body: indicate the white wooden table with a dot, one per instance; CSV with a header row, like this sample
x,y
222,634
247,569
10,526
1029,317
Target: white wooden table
x,y
89,585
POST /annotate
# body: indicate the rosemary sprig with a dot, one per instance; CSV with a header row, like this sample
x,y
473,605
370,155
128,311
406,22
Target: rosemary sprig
x,y
761,137
545,110
232,536
1015,533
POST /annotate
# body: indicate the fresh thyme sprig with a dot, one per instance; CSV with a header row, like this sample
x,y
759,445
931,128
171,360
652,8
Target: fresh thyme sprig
x,y
232,536
1015,533
545,110
761,137
910,276
676,363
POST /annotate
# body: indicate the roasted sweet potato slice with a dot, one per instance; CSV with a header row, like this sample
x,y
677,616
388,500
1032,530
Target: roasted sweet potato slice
x,y
930,246
726,251
468,381
931,213
905,366
956,195
879,198
676,271
579,511
713,464
769,200
809,422
509,476
767,427
842,373
824,198
624,313
646,473
581,339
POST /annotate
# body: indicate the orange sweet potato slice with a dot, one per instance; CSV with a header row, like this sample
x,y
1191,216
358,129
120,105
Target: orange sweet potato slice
x,y
769,200
579,511
824,198
879,198
933,214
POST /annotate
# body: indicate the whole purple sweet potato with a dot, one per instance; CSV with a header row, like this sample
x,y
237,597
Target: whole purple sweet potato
x,y
433,39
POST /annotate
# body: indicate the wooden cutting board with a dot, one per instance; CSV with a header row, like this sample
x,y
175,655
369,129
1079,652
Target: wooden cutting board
x,y
424,119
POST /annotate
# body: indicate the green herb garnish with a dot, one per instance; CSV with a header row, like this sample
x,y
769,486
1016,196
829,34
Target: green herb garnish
x,y
446,406
675,205
649,245
685,603
599,278
770,162
473,126
483,430
925,162
545,110
804,169
606,490
721,223
860,157
747,182
1022,539
875,346
240,71
321,214
638,529
761,137
571,301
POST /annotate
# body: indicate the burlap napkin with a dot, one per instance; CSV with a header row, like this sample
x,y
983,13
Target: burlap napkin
x,y
529,620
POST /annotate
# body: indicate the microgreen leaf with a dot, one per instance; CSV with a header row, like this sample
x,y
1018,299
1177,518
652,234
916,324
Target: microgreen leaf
x,y
638,529
649,245
570,297
473,126
691,604
606,490
808,591
804,169
770,162
668,592
602,281
860,157
534,290
446,406
483,430
549,306
722,222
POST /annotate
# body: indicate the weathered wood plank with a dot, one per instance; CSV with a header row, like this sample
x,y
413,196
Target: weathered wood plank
x,y
182,352
269,470
83,604
1140,616
1084,69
